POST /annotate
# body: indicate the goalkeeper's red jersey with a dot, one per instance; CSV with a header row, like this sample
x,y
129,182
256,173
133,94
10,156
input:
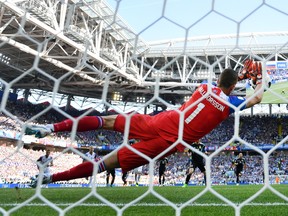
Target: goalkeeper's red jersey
x,y
201,114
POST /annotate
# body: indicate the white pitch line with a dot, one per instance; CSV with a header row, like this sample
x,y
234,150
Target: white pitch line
x,y
146,204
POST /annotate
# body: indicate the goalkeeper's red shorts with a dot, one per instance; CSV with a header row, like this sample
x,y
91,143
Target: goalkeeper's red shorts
x,y
151,143
139,126
129,160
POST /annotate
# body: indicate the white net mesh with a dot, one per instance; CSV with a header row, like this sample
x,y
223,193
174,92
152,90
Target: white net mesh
x,y
83,54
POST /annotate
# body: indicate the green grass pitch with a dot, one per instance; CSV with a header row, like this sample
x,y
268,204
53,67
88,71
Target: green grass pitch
x,y
81,201
274,95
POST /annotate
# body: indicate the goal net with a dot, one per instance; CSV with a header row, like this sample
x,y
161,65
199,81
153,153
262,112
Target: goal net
x,y
62,59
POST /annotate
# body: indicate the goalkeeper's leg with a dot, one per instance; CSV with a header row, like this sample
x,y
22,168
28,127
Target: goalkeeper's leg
x,y
124,158
82,170
86,169
86,123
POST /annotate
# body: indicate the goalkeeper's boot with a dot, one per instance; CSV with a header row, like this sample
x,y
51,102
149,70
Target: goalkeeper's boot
x,y
39,131
34,180
185,185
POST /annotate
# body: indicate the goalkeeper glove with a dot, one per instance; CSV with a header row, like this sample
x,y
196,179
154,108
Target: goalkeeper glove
x,y
256,76
256,73
245,72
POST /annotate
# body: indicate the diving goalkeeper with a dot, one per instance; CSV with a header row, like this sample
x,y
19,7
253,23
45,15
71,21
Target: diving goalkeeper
x,y
206,109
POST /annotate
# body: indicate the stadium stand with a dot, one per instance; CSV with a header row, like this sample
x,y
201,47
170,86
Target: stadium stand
x,y
259,130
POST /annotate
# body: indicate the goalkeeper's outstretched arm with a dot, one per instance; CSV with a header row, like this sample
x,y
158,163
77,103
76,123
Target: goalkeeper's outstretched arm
x,y
256,97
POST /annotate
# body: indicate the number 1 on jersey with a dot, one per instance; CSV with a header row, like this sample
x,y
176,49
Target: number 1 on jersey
x,y
200,106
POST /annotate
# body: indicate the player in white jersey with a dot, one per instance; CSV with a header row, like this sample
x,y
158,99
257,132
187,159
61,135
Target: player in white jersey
x,y
138,172
47,161
91,155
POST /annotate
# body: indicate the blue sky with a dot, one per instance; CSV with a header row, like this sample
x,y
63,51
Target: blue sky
x,y
201,17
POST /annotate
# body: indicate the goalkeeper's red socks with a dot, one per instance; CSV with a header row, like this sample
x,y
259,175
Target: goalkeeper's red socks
x,y
80,171
85,123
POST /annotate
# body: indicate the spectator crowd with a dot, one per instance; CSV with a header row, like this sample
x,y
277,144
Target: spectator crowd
x,y
18,165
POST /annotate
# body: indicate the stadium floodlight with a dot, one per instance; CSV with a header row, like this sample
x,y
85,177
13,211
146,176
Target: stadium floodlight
x,y
186,98
140,99
5,59
117,96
